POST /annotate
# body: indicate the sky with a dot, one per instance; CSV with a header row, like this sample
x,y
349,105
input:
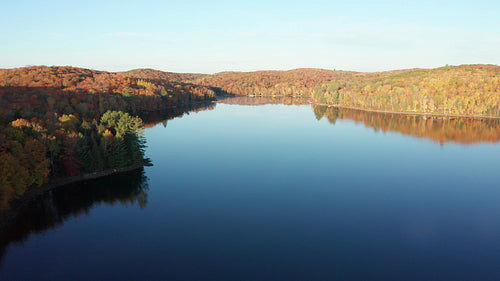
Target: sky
x,y
214,36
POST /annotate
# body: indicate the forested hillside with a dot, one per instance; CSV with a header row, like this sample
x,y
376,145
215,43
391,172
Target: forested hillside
x,y
89,88
147,73
472,90
62,121
57,121
297,82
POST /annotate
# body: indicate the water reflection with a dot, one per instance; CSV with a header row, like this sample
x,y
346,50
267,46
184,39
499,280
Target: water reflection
x,y
154,117
438,129
311,208
261,100
52,209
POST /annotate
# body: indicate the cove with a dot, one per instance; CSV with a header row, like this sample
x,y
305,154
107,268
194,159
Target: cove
x,y
277,192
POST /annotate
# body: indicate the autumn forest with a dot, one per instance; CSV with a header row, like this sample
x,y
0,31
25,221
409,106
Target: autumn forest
x,y
64,121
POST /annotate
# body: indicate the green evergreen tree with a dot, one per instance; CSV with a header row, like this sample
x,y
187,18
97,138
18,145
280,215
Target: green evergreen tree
x,y
97,162
82,150
120,154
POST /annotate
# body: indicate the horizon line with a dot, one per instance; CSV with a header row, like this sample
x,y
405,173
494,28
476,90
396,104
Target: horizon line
x,y
251,71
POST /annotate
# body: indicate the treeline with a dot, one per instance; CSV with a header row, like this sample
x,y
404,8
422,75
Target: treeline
x,y
92,91
438,129
147,73
472,90
297,82
63,121
54,121
451,90
32,151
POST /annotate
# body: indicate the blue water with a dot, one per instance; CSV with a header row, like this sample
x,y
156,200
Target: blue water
x,y
271,193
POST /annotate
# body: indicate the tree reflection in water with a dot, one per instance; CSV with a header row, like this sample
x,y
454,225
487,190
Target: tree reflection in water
x,y
439,129
154,117
53,208
436,128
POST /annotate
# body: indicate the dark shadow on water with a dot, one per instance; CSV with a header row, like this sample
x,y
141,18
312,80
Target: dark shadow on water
x,y
155,117
52,209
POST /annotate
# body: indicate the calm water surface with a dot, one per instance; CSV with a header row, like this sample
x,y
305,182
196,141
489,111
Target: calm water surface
x,y
272,193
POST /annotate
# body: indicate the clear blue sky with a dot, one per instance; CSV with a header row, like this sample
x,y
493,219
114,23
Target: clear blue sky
x,y
213,36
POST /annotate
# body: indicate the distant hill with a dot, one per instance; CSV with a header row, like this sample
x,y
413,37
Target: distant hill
x,y
66,79
297,82
452,90
471,90
467,90
148,73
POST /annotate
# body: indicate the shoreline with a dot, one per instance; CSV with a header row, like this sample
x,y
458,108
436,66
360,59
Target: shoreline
x,y
375,110
409,112
32,192
9,214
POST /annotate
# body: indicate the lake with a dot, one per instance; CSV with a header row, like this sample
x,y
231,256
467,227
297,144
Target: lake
x,y
277,192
